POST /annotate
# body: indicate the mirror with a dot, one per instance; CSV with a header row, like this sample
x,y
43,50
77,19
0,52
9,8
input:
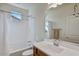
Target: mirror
x,y
61,17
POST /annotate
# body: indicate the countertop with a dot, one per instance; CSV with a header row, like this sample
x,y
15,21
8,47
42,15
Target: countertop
x,y
64,48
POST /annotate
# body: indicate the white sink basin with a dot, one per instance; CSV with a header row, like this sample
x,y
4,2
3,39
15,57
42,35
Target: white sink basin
x,y
53,48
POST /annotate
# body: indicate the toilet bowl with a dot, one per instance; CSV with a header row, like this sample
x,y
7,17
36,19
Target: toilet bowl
x,y
28,53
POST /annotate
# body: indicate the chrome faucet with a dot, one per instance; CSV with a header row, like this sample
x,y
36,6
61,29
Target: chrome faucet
x,y
56,42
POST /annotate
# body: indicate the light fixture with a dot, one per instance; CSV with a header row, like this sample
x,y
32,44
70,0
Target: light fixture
x,y
75,10
54,5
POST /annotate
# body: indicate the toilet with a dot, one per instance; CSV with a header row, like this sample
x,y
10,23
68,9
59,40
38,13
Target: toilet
x,y
28,53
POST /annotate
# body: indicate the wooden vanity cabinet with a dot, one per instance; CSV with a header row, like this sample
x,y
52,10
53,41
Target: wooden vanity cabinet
x,y
38,52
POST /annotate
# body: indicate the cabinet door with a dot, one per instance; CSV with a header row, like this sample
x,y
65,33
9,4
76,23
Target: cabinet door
x,y
37,52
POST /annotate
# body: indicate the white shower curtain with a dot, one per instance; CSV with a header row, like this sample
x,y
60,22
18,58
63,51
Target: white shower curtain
x,y
3,44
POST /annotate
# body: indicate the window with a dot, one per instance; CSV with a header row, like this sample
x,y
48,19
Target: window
x,y
16,15
46,26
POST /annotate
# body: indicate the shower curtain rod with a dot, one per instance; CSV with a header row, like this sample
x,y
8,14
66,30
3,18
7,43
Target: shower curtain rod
x,y
14,13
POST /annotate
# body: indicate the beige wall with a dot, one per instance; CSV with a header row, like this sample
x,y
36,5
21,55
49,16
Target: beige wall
x,y
37,10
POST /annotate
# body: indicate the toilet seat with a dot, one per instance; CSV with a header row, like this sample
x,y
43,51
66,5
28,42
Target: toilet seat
x,y
28,53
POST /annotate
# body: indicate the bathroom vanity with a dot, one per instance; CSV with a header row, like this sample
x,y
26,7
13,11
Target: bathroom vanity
x,y
47,48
